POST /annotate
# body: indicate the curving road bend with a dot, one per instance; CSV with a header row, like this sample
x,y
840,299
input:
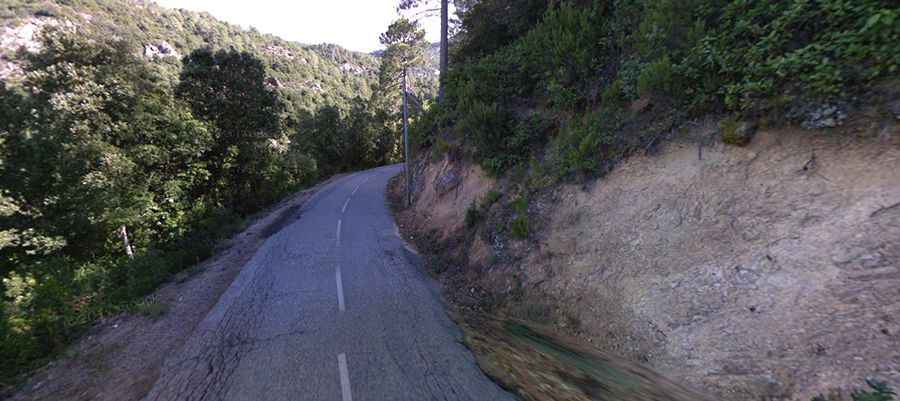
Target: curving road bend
x,y
332,307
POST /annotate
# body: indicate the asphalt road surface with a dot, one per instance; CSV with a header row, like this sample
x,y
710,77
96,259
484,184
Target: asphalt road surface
x,y
332,307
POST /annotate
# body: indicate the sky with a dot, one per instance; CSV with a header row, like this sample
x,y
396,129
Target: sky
x,y
353,24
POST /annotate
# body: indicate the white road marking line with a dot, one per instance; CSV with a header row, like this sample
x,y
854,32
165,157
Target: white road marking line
x,y
340,288
345,378
359,185
339,232
344,209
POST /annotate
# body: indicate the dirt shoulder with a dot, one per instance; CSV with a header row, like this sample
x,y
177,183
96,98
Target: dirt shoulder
x,y
119,359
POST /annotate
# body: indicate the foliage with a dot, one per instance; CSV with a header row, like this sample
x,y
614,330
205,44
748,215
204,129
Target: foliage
x,y
583,62
151,308
476,211
519,226
491,197
247,144
96,137
879,391
657,78
473,214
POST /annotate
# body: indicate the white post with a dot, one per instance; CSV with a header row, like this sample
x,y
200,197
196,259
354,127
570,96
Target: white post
x,y
123,232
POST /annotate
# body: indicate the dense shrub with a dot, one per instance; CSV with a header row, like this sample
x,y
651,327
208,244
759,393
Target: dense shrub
x,y
583,61
657,78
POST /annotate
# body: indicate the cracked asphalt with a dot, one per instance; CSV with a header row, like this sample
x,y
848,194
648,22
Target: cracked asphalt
x,y
280,331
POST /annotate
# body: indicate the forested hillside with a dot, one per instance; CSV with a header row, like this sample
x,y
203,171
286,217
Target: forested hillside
x,y
134,137
308,76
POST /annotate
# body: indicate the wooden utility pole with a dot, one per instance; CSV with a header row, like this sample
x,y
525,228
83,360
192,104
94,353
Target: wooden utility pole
x,y
444,58
406,142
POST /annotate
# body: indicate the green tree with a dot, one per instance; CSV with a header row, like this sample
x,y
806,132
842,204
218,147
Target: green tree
x,y
76,163
444,13
229,90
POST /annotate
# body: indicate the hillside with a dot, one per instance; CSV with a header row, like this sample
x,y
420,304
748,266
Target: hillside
x,y
310,76
705,187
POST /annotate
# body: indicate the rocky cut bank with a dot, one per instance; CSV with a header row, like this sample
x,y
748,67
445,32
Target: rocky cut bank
x,y
769,271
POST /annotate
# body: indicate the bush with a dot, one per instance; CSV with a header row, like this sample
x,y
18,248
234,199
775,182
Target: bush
x,y
519,227
657,78
489,126
476,211
473,214
490,198
614,95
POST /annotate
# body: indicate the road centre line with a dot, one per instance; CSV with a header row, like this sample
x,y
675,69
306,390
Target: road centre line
x,y
344,209
345,378
359,185
340,288
339,232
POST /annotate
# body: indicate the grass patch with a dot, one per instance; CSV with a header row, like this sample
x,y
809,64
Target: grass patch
x,y
877,391
519,227
151,308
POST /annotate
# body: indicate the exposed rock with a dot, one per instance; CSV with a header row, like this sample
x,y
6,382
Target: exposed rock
x,y
160,50
23,36
279,52
9,69
760,283
313,86
350,68
828,115
447,181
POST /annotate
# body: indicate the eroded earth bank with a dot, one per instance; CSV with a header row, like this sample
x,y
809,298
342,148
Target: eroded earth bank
x,y
770,271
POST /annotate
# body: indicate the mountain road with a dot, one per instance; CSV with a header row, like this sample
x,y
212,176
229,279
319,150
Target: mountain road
x,y
331,307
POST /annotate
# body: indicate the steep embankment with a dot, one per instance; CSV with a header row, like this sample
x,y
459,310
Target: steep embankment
x,y
769,271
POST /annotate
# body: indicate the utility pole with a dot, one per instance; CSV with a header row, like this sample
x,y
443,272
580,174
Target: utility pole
x,y
444,58
406,142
